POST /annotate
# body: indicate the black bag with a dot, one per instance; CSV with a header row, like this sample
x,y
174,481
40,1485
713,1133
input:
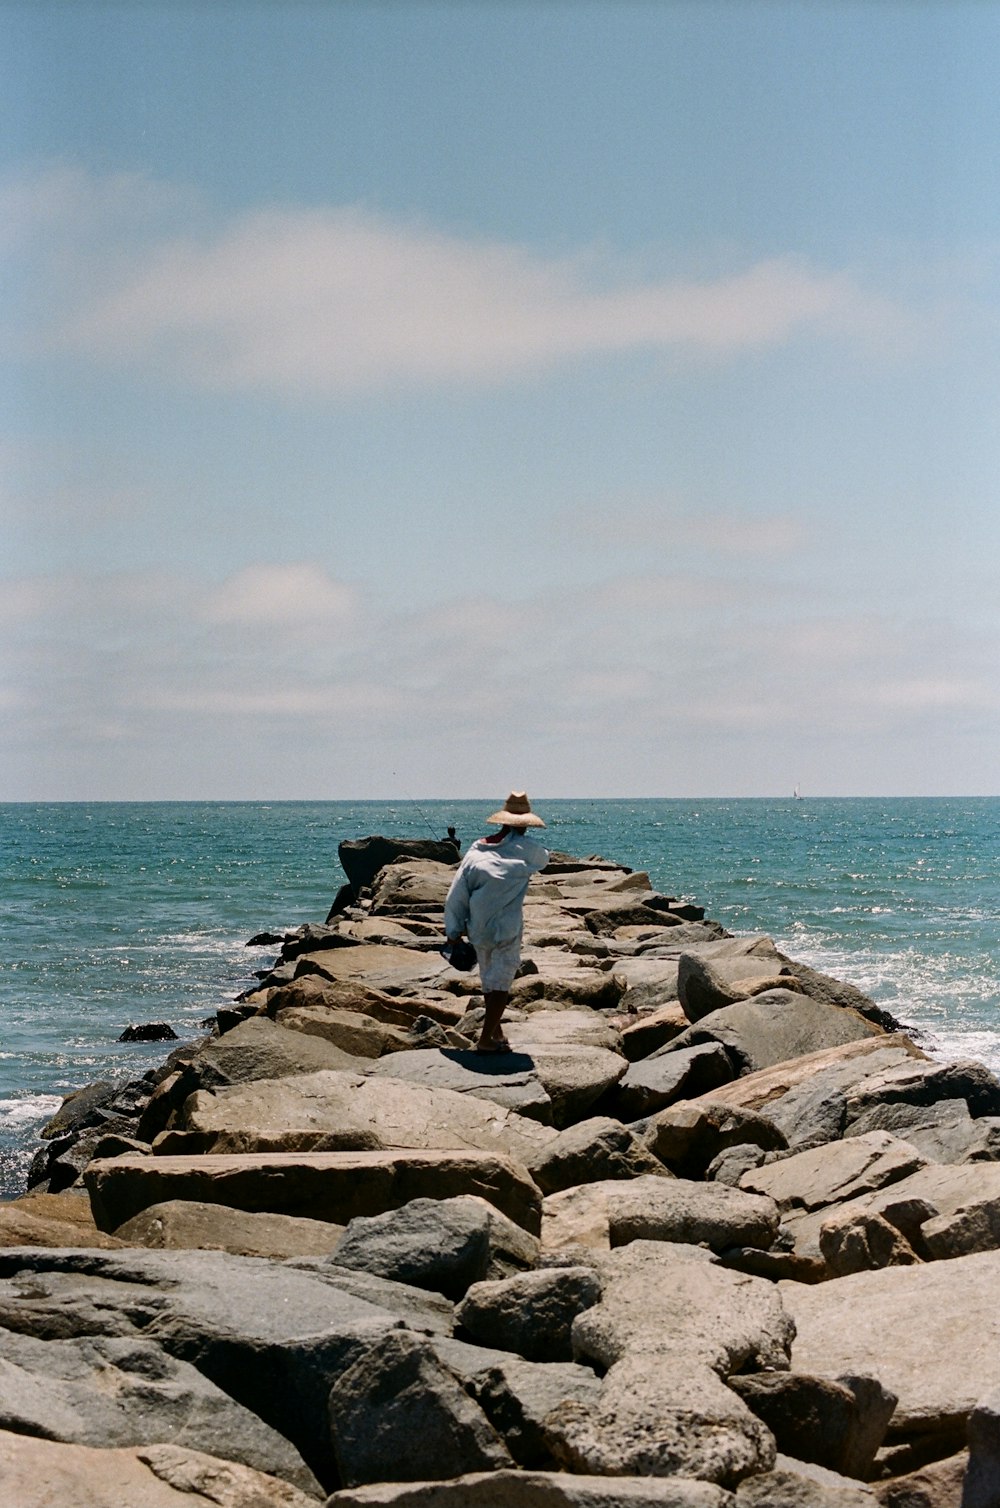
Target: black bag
x,y
461,955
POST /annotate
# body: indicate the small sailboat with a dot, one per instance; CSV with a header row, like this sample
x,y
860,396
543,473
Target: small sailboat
x,y
796,794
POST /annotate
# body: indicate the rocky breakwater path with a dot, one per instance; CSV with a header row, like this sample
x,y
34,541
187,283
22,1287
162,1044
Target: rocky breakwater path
x,y
715,1234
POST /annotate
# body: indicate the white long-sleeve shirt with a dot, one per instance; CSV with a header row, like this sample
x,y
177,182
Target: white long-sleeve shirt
x,y
486,898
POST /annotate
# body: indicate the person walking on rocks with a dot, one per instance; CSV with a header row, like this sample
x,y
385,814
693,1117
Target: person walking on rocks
x,y
486,901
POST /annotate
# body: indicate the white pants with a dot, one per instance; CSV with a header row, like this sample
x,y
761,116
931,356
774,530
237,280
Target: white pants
x,y
498,964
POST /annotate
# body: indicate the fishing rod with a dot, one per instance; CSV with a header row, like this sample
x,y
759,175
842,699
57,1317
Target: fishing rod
x,y
414,802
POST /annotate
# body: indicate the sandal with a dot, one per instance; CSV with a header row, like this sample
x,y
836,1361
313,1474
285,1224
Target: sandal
x,y
500,1046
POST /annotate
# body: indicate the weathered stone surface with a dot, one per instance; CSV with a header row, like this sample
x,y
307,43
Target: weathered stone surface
x,y
816,1110
78,1109
589,988
612,1213
930,1334
942,1484
186,1225
378,965
772,1027
705,985
444,1244
982,1482
659,1080
241,1321
509,1080
335,1186
690,1135
763,1089
362,858
330,1110
861,1241
348,1030
537,1489
669,1329
531,1314
411,885
835,1172
574,1075
257,1049
397,1413
354,995
652,1030
110,1392
784,1488
517,1397
926,1083
43,1474
839,1424
39,1219
595,1149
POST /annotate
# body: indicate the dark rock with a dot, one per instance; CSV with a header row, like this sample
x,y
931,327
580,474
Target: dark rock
x,y
111,1392
689,1136
839,1424
659,1080
362,858
773,1028
398,1414
444,1244
531,1314
149,1031
594,1149
77,1109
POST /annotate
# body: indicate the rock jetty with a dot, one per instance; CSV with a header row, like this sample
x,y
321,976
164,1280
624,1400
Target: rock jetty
x,y
716,1233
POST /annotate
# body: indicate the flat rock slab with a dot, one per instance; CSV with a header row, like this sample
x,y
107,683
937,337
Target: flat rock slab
x,y
661,1080
650,1208
507,1079
835,1172
756,1091
537,1489
930,1334
334,1186
777,1025
376,963
816,1108
43,1474
186,1225
595,1149
257,1049
51,1220
366,1113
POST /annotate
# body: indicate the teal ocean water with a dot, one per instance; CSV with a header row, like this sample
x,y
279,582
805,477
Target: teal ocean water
x,y
127,913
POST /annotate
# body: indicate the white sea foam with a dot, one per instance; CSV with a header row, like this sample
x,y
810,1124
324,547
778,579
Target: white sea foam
x,y
26,1109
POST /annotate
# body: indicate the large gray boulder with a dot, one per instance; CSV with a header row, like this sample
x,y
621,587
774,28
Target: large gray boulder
x,y
595,1149
915,1083
943,1132
362,858
705,985
399,1414
649,1208
660,1080
43,1474
690,1135
796,1485
509,1080
411,885
242,1322
334,1186
531,1314
930,1334
444,1244
815,1109
110,1392
517,1397
536,1489
668,1330
258,1049
763,1089
773,1027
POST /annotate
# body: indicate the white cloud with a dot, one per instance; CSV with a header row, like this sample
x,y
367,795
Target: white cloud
x,y
106,673
279,594
669,523
340,300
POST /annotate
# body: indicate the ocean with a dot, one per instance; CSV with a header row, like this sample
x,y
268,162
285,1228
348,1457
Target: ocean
x,y
125,913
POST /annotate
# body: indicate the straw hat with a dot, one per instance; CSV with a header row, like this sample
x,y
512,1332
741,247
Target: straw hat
x,y
516,813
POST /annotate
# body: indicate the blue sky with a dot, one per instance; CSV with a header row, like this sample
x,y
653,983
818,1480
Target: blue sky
x,y
429,399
